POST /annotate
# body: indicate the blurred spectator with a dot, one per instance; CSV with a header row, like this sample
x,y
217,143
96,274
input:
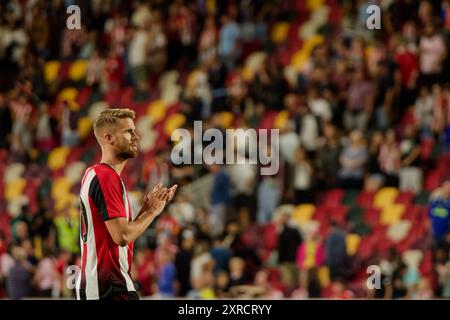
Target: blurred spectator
x,y
424,111
46,278
374,178
289,238
432,54
220,254
410,173
439,211
336,257
166,275
310,253
183,262
327,157
302,184
237,272
353,159
390,159
18,281
229,41
6,122
360,102
220,198
67,230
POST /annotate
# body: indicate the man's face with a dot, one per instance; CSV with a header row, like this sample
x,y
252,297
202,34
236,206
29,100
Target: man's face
x,y
125,139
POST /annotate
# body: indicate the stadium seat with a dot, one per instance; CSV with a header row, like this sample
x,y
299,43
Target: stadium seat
x,y
333,198
399,231
157,110
303,213
365,199
57,158
51,70
405,197
96,108
279,32
324,276
226,119
174,122
78,70
433,179
252,63
350,197
84,97
314,4
338,214
14,189
84,127
281,120
68,94
74,171
372,216
352,242
422,198
13,172
385,197
391,214
61,187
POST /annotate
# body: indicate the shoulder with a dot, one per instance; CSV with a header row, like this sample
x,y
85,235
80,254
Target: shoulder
x,y
105,173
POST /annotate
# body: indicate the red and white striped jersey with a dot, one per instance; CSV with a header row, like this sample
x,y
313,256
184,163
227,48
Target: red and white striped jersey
x,y
105,266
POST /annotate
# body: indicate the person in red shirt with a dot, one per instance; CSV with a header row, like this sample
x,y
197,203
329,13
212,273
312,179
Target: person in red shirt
x,y
108,226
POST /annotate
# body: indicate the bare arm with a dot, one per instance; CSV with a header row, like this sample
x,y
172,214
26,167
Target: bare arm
x,y
123,231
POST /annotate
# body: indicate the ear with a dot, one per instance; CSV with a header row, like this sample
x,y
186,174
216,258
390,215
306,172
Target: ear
x,y
108,138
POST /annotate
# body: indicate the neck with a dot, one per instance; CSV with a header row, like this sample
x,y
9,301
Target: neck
x,y
115,163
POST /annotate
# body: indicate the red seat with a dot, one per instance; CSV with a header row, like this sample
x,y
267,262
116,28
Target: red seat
x,y
365,199
338,214
333,198
433,179
405,197
426,149
84,95
372,216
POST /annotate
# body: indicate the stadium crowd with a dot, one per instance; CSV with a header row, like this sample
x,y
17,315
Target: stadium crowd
x,y
364,119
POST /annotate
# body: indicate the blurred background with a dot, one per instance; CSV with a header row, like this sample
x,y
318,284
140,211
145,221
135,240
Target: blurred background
x,y
364,119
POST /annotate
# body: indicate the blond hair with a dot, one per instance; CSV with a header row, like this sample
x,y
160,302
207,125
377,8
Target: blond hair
x,y
110,117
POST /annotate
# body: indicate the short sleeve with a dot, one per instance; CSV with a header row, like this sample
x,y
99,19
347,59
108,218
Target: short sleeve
x,y
107,193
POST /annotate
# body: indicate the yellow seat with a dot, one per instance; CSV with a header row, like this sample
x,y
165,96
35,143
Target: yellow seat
x,y
281,120
78,70
14,189
174,122
68,94
385,197
313,5
324,276
65,200
226,119
392,214
156,110
51,70
280,32
352,242
57,158
303,213
61,187
84,127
